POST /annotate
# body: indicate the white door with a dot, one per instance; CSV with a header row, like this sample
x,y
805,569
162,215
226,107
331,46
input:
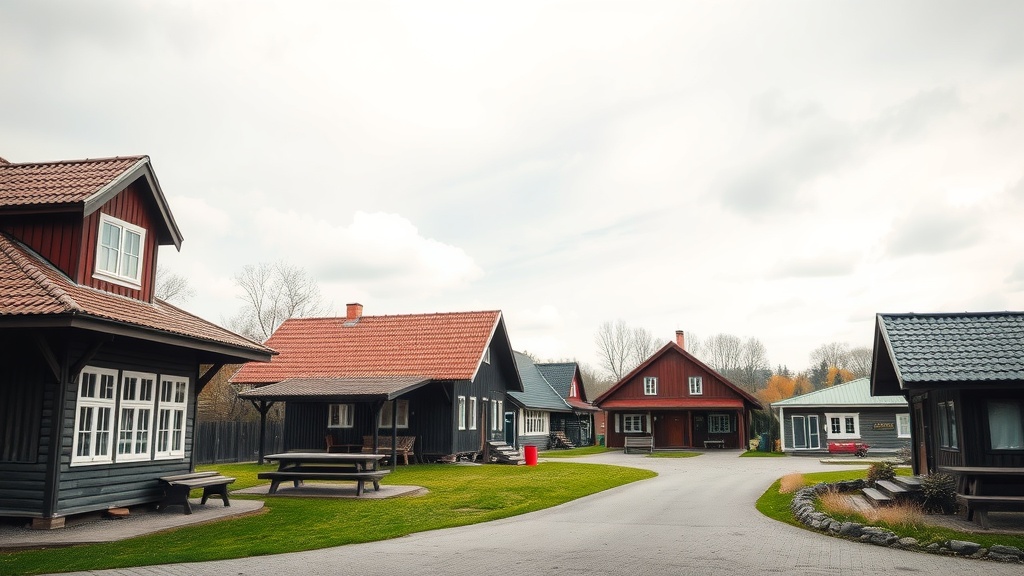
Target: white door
x,y
813,433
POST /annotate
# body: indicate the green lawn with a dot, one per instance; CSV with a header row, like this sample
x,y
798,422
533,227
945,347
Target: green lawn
x,y
776,506
458,495
582,451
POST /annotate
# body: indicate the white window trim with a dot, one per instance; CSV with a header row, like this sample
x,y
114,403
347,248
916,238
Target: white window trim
x,y
903,432
727,429
696,385
117,277
401,415
628,418
173,408
843,434
345,415
538,420
462,412
137,405
472,412
501,416
650,386
487,356
96,404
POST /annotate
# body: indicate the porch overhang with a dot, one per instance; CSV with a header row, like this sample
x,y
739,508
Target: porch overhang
x,y
359,389
674,404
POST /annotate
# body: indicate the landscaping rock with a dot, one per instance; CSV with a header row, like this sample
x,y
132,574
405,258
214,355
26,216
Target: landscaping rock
x,y
933,547
907,542
964,547
1006,550
852,529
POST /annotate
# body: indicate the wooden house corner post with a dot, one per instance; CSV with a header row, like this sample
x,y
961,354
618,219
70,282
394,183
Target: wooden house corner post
x,y
375,432
394,434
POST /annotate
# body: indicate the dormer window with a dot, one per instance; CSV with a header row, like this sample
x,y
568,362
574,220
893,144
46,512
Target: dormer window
x,y
119,252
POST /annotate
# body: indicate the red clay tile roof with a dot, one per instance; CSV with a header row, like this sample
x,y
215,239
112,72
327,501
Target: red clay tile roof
x,y
64,182
447,346
30,287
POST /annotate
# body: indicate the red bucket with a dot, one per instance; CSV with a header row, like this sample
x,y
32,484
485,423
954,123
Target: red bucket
x,y
530,452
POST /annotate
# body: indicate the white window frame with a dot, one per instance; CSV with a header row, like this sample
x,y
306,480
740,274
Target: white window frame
x,y
171,417
843,421
574,391
535,423
104,253
903,425
472,412
632,423
719,424
696,385
650,385
340,415
401,415
95,408
462,412
135,416
501,416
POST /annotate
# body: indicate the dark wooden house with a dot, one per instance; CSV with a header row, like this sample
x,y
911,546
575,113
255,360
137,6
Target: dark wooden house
x,y
98,378
441,378
963,376
679,401
845,413
550,411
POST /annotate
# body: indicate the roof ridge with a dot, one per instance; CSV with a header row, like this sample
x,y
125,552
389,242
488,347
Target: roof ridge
x,y
77,161
421,314
8,247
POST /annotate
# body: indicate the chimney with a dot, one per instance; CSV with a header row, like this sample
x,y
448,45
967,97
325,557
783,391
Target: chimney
x,y
353,311
681,339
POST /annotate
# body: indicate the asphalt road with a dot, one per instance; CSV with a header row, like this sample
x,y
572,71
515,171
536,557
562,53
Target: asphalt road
x,y
696,517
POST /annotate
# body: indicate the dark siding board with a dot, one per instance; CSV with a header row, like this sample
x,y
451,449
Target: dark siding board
x,y
542,442
53,236
232,441
878,440
24,377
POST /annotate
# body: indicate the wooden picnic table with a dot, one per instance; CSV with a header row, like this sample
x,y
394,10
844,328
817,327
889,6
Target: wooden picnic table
x,y
971,490
299,466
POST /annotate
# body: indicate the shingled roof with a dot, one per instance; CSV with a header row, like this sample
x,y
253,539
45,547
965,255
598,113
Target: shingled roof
x,y
537,392
80,186
443,346
36,293
915,350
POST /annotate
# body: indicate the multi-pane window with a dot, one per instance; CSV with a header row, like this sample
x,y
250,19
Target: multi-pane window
x,y
947,425
340,415
696,386
401,414
462,412
536,422
632,423
472,412
119,250
501,415
170,429
842,426
94,422
650,386
1005,425
719,423
903,425
136,421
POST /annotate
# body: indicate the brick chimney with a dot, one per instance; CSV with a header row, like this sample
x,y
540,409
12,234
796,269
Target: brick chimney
x,y
353,311
681,339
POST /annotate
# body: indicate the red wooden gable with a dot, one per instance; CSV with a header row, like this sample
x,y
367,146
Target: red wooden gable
x,y
673,366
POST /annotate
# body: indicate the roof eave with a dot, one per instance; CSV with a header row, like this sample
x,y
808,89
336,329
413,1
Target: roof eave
x,y
141,169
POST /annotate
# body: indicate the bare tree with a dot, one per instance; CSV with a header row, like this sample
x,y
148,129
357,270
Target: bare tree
x,y
860,361
833,354
170,286
622,348
272,294
722,352
754,368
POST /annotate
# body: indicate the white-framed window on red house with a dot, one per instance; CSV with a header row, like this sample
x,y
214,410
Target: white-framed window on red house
x,y
119,250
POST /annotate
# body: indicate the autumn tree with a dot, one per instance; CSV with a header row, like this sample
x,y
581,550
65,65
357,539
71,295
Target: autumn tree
x,y
621,348
837,376
777,388
272,294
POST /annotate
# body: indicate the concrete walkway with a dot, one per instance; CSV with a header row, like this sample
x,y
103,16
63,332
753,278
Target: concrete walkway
x,y
696,517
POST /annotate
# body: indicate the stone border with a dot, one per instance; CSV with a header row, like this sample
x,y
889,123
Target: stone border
x,y
804,511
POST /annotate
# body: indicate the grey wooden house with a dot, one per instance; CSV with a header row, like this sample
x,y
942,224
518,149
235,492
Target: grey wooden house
x,y
98,377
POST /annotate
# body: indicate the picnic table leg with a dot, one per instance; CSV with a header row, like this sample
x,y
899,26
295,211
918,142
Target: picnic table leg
x,y
273,486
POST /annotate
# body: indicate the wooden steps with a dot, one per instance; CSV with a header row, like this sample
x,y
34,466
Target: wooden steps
x,y
559,440
502,453
899,489
876,497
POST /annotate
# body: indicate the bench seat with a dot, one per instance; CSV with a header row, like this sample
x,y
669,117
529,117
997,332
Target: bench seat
x,y
714,443
297,476
645,443
404,446
977,507
178,487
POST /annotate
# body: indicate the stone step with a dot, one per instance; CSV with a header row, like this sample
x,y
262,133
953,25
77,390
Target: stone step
x,y
860,503
911,483
891,488
875,497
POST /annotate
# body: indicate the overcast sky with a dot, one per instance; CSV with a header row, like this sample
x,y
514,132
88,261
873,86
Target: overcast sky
x,y
781,170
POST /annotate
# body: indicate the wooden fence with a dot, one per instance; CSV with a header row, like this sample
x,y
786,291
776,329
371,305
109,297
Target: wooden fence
x,y
234,441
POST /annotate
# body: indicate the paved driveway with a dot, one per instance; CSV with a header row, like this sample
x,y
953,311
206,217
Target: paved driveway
x,y
696,517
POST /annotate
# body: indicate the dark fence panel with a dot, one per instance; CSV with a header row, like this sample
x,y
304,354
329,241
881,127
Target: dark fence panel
x,y
235,441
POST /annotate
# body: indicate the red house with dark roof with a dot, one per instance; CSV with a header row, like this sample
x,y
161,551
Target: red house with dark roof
x,y
442,378
98,378
679,401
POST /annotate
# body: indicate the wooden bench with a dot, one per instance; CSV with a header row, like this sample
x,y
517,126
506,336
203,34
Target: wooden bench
x,y
645,443
977,507
714,443
405,444
858,449
177,488
325,473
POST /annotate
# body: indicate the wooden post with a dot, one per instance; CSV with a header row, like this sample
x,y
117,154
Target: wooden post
x,y
394,434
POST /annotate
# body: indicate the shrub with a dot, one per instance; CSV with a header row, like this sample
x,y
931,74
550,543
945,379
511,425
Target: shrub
x,y
881,471
904,455
835,502
939,491
791,483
